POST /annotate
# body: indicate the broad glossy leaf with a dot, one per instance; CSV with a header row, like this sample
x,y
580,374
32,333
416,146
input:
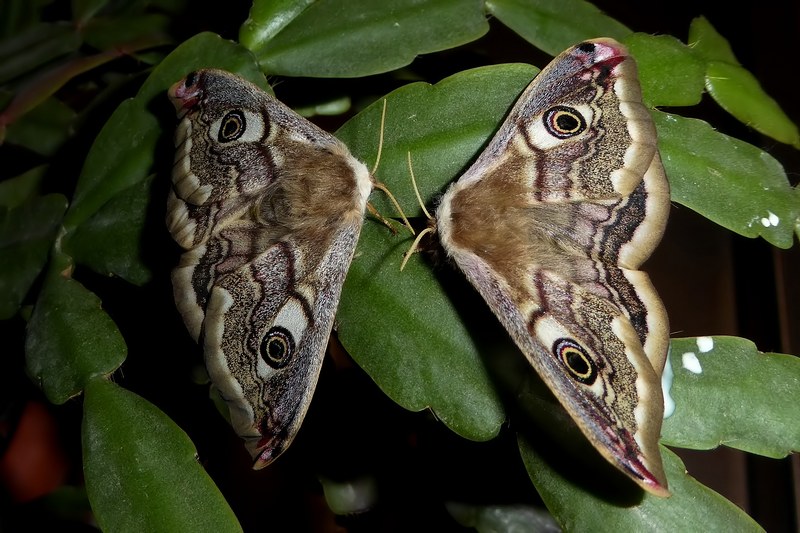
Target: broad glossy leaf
x,y
670,72
141,469
740,94
428,355
735,184
706,41
122,154
267,19
349,38
735,89
692,506
70,339
444,126
555,25
404,330
27,232
727,392
110,242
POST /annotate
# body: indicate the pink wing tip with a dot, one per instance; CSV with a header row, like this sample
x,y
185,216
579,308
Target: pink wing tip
x,y
185,94
646,479
267,449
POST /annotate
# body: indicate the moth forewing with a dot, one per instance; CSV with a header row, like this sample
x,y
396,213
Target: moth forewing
x,y
269,208
550,224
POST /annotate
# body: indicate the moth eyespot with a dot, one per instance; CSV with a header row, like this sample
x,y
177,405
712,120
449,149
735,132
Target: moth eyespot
x,y
232,127
277,347
564,122
575,360
587,48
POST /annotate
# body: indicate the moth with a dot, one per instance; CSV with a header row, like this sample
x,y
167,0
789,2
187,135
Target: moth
x,y
268,208
550,225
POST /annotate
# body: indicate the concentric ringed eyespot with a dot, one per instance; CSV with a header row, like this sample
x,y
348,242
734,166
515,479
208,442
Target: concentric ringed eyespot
x,y
232,127
575,359
277,347
563,122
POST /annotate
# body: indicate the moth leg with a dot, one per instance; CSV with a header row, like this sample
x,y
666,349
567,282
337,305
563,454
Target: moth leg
x,y
385,221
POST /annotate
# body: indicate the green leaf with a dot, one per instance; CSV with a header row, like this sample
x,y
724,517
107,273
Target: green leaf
x,y
418,350
555,25
141,469
350,38
739,93
267,19
27,233
726,180
727,392
16,190
44,129
692,506
706,41
429,356
107,33
735,89
444,126
42,87
70,339
671,73
122,155
34,47
110,242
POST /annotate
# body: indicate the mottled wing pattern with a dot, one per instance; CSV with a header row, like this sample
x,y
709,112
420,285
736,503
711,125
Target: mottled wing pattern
x,y
550,225
269,209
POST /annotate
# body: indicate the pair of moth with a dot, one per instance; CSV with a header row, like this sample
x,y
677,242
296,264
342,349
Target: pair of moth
x,y
550,224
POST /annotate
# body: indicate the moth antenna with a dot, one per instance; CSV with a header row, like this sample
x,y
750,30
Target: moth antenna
x,y
380,139
416,189
378,185
429,229
414,247
385,221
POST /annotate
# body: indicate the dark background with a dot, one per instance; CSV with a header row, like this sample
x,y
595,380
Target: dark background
x,y
713,282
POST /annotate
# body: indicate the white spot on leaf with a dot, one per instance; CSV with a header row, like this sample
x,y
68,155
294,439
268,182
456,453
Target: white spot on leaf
x,y
773,218
705,344
770,220
691,363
